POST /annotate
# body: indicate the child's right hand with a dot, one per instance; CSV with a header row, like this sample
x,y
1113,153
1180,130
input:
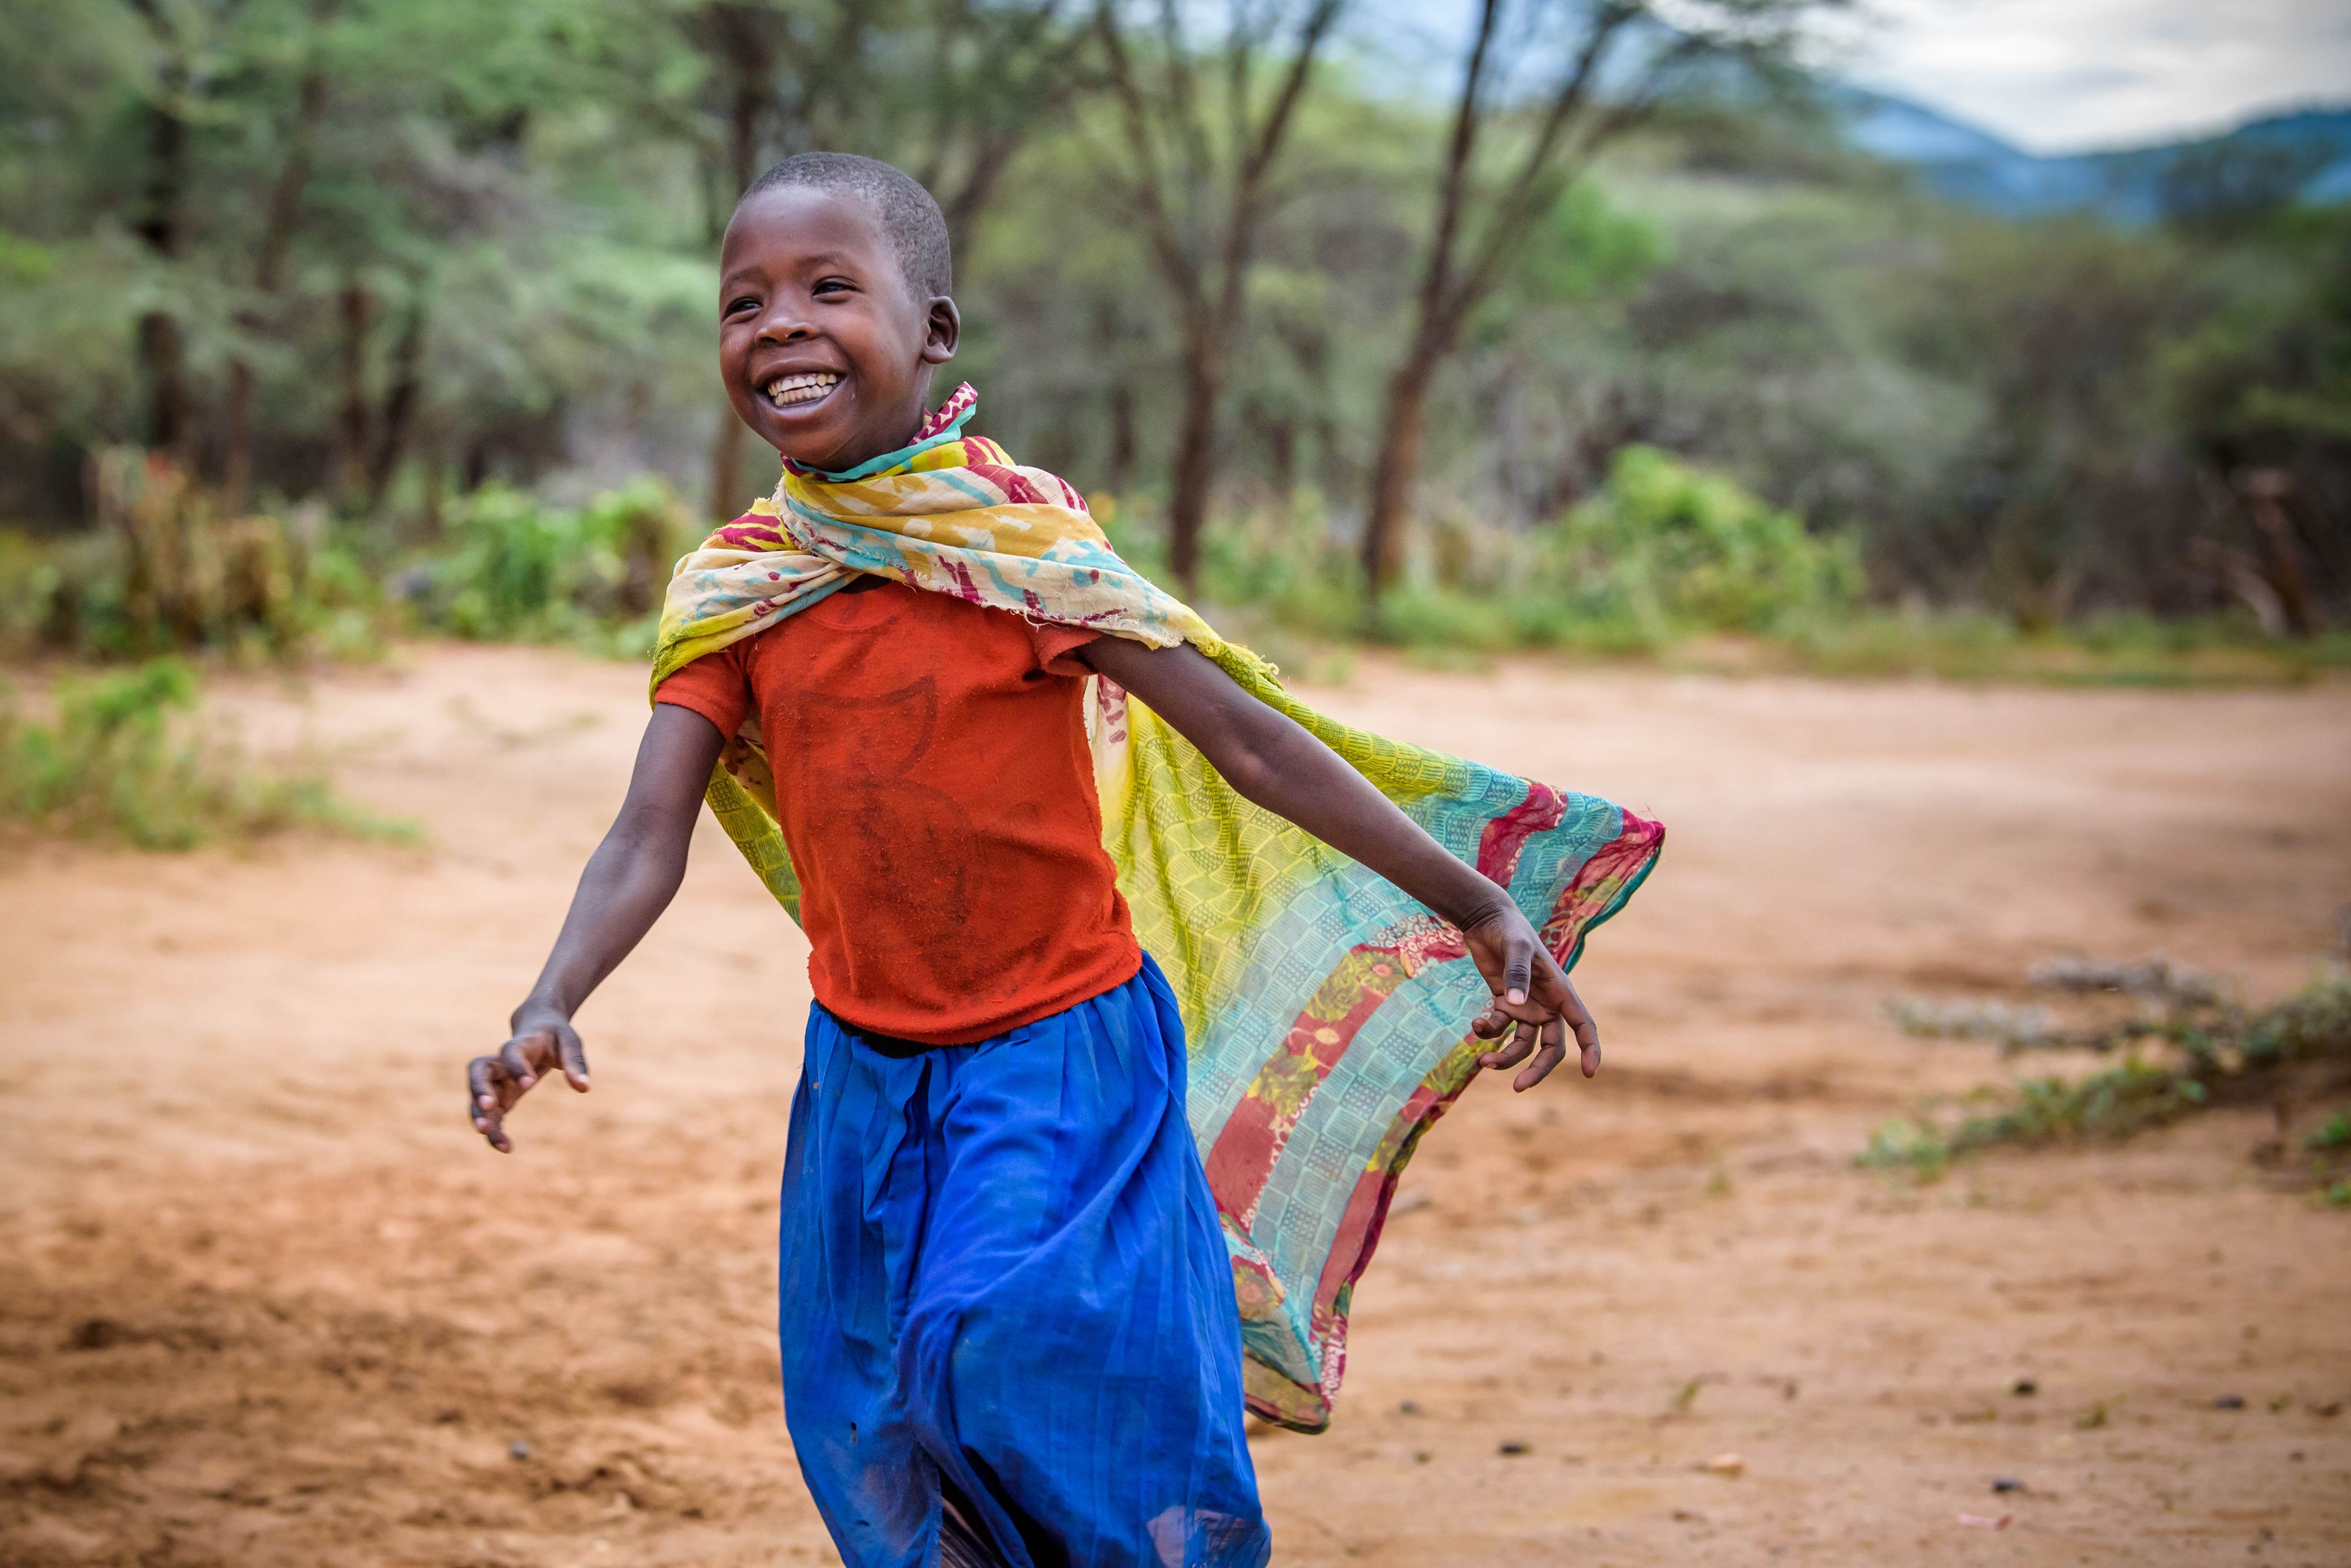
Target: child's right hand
x,y
541,1040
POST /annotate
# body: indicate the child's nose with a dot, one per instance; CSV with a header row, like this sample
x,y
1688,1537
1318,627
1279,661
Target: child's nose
x,y
784,325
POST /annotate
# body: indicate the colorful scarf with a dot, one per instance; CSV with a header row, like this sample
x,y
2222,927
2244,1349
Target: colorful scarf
x,y
1326,1012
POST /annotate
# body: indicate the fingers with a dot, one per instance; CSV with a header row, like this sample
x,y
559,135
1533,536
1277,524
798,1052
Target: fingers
x,y
573,1056
1525,1034
1578,1019
1540,1018
521,1056
1553,1052
1518,975
494,1083
486,1101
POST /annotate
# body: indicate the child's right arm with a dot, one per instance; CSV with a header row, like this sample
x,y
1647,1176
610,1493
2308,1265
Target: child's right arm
x,y
629,880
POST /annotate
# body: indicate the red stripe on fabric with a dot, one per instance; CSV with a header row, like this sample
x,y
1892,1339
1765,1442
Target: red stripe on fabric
x,y
758,533
1011,481
962,398
1599,880
1243,1158
1250,1143
1500,845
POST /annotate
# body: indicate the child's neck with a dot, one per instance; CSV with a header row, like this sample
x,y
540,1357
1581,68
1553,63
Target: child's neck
x,y
857,454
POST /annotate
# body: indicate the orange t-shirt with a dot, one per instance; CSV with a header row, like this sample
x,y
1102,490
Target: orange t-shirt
x,y
934,787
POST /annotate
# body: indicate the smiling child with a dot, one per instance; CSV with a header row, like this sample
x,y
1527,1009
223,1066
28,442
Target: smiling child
x,y
1038,1253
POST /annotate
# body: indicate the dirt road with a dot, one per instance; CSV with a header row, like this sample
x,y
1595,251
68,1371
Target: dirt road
x,y
264,1301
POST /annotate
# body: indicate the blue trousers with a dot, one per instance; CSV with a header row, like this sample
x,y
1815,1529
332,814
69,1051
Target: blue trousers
x,y
1003,1285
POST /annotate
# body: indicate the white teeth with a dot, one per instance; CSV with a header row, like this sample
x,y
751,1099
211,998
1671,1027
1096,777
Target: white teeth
x,y
806,388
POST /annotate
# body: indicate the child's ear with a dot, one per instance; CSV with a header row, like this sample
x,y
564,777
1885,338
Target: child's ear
x,y
946,330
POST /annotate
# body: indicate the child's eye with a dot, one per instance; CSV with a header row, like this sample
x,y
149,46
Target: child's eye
x,y
746,303
833,286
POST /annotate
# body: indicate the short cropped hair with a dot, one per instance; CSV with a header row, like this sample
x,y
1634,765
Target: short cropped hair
x,y
917,229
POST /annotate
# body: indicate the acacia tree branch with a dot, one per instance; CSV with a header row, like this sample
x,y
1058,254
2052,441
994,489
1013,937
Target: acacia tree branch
x,y
1146,187
1183,101
1456,295
997,119
286,191
1268,142
1243,38
1539,180
1453,184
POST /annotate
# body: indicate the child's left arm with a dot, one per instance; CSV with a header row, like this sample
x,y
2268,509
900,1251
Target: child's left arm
x,y
1268,758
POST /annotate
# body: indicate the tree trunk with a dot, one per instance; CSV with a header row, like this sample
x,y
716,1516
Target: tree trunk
x,y
357,306
1195,460
268,271
236,438
1282,452
1123,445
2265,491
726,468
399,402
163,348
1394,475
162,355
748,102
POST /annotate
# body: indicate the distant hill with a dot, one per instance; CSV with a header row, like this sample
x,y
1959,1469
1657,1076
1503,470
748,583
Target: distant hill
x,y
2304,155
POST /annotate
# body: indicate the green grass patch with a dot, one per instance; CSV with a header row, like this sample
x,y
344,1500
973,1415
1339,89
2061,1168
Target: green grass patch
x,y
129,757
2199,1050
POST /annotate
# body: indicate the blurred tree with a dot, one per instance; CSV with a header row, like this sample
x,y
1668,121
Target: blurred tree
x,y
179,39
1616,60
1197,160
395,250
297,139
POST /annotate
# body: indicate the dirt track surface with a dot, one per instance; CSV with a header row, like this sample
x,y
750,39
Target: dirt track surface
x,y
263,1299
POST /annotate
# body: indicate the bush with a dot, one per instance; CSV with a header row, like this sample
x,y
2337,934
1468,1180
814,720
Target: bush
x,y
1665,551
124,759
1671,549
167,570
517,568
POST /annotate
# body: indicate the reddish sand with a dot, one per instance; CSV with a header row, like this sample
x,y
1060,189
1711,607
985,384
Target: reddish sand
x,y
263,1299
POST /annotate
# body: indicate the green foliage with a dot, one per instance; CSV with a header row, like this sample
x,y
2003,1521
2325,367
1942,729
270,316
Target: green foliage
x,y
169,571
2206,1052
1672,547
517,568
125,758
446,246
1665,552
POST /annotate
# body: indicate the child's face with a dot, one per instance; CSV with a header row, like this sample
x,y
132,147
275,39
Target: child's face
x,y
825,348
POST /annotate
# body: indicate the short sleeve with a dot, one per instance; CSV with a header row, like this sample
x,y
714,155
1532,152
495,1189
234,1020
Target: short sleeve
x,y
1055,643
714,687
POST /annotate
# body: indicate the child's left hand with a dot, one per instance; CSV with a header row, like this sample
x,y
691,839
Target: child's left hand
x,y
1532,997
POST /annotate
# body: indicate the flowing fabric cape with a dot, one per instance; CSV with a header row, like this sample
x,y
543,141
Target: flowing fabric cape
x,y
1326,1012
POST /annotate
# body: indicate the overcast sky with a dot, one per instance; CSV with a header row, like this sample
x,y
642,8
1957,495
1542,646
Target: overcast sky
x,y
2061,75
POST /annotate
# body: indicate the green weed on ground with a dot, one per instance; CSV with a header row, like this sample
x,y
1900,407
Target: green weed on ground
x,y
128,757
2188,1049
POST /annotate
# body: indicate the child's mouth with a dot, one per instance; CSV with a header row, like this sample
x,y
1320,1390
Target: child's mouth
x,y
793,392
